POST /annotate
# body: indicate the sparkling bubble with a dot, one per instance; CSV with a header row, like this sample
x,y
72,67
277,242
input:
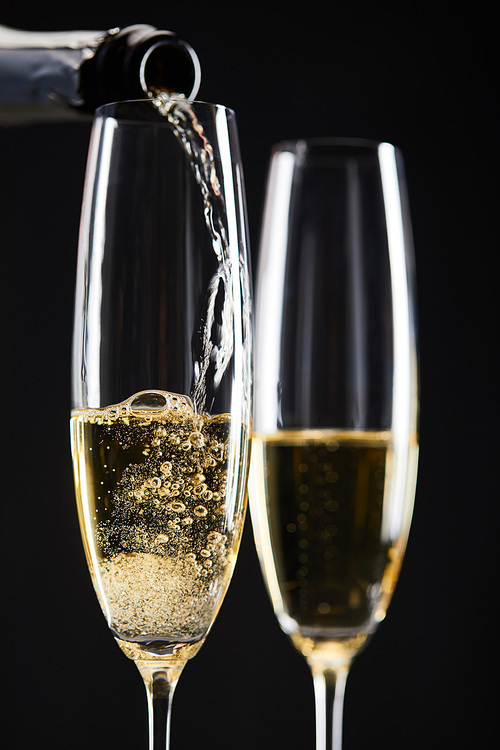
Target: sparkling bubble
x,y
331,506
148,402
197,439
215,537
332,477
200,511
166,468
217,451
177,506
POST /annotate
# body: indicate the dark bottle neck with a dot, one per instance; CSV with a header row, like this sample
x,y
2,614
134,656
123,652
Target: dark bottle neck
x,y
136,60
89,68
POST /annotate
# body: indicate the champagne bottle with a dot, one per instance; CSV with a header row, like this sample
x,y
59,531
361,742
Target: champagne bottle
x,y
86,69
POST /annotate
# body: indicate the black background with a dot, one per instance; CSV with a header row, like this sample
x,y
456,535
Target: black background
x,y
420,75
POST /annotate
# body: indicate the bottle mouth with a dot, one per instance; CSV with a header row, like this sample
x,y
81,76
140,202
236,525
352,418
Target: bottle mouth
x,y
171,63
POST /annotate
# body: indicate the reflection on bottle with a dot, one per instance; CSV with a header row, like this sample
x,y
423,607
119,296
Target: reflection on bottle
x,y
86,69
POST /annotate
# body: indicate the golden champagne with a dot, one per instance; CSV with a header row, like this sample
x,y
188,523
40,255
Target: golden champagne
x,y
324,537
159,528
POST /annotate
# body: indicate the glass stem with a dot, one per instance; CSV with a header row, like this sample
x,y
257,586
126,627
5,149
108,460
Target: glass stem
x,y
160,684
329,688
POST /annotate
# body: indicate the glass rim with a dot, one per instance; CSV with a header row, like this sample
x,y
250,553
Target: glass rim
x,y
318,143
105,110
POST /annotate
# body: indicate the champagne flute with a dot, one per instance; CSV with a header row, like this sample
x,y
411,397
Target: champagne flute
x,y
334,455
161,379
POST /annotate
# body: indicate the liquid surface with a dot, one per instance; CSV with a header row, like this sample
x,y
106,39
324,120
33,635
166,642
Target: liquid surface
x,y
160,537
321,499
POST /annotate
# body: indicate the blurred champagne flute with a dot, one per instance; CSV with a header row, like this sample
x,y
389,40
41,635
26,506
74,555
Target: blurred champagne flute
x,y
335,446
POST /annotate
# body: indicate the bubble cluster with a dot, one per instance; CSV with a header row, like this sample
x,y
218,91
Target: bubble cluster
x,y
326,495
161,529
178,489
147,593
